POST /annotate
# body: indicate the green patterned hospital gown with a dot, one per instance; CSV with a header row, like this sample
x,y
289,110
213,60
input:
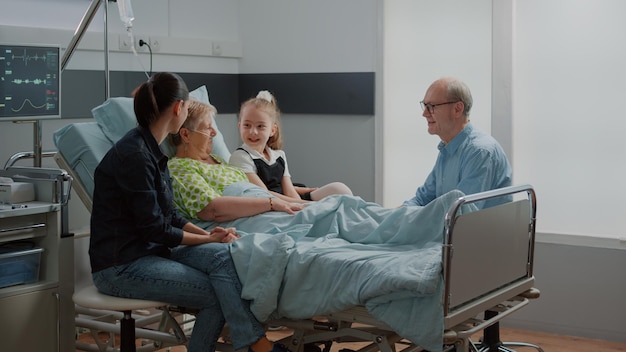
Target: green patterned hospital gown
x,y
196,184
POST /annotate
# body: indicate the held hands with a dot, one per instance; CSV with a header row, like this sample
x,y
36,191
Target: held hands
x,y
220,234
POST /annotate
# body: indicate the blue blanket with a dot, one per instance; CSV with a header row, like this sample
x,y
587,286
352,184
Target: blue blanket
x,y
341,252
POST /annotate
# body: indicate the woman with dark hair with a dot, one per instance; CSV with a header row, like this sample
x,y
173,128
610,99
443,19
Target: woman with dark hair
x,y
141,248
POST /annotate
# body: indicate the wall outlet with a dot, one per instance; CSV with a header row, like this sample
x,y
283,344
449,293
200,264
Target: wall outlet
x,y
155,44
142,39
124,42
217,49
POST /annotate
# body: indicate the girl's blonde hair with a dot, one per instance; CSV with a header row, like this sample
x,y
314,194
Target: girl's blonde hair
x,y
267,102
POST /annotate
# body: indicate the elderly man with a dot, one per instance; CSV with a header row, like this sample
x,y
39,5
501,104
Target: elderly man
x,y
469,160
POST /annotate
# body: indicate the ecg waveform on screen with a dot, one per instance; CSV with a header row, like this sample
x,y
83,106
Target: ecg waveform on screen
x,y
29,81
35,81
26,57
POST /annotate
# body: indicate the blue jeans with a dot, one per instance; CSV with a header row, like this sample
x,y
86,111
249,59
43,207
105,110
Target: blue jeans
x,y
201,277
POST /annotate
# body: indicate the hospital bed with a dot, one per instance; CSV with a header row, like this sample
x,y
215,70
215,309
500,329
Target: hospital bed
x,y
486,264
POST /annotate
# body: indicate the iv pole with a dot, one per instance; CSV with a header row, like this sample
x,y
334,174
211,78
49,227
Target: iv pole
x,y
78,35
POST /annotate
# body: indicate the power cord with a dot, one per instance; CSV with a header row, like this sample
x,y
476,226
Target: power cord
x,y
142,43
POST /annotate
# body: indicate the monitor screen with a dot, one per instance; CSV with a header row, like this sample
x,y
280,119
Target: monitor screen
x,y
30,82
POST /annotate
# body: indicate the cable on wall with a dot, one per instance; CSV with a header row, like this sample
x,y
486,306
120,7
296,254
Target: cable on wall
x,y
142,43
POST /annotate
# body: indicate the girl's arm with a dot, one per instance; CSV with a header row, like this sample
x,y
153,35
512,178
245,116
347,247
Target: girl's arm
x,y
228,208
254,178
288,188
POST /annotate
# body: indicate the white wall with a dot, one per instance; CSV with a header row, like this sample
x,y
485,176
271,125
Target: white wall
x,y
283,36
568,113
423,41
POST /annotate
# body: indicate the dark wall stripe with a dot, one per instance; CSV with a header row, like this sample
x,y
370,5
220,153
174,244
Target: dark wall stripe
x,y
314,93
304,93
222,89
83,90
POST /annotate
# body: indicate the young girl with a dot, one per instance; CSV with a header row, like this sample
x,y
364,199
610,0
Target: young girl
x,y
261,157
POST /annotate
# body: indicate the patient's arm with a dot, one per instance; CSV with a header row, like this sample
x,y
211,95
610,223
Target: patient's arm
x,y
222,209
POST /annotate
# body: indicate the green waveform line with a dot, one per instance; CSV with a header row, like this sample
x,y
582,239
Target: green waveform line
x,y
31,104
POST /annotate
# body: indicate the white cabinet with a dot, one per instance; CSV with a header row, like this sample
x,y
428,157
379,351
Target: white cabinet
x,y
30,321
38,316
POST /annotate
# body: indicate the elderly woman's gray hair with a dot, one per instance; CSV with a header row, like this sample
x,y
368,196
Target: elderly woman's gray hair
x,y
196,111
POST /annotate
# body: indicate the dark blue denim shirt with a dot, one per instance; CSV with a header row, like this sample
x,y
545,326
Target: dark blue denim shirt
x,y
133,212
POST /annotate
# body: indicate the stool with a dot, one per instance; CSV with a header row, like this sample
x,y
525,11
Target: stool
x,y
90,297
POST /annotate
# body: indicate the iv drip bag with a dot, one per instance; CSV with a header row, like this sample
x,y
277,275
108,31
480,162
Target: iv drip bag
x,y
126,12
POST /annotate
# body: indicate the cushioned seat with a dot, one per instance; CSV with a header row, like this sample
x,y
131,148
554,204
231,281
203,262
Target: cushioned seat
x,y
90,297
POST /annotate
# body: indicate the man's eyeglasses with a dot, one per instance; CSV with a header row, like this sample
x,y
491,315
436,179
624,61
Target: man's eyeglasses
x,y
431,107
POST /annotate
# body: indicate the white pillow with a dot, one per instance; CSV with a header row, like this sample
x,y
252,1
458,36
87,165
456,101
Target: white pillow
x,y
116,117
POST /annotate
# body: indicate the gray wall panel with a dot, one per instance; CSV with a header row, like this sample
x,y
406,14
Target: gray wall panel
x,y
582,293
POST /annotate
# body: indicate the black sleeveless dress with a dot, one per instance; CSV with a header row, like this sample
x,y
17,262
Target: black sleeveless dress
x,y
271,175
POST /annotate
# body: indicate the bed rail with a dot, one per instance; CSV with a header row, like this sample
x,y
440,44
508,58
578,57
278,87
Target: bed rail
x,y
511,235
79,187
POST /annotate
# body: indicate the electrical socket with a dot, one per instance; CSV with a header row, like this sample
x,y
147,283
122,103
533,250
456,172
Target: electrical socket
x,y
155,44
138,47
217,49
124,42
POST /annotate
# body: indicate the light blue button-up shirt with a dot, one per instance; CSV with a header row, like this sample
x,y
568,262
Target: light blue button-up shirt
x,y
471,162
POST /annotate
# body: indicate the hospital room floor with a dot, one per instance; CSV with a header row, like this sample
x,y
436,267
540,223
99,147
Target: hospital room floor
x,y
549,342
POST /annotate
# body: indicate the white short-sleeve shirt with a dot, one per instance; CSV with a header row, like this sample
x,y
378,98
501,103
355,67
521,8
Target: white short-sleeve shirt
x,y
244,161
